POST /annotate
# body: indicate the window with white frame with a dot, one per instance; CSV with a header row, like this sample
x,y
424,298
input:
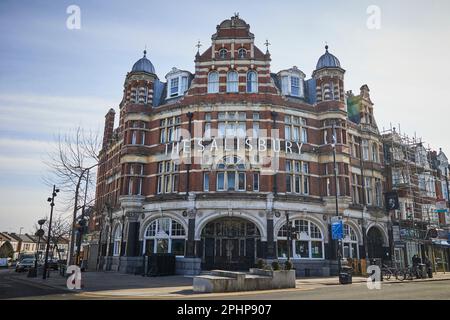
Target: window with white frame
x,y
356,188
350,243
167,179
374,152
365,149
174,86
297,176
232,124
136,174
368,189
206,181
310,244
232,81
255,181
295,86
138,132
252,82
213,82
292,85
165,235
378,193
223,53
231,175
207,134
170,129
242,53
117,239
294,129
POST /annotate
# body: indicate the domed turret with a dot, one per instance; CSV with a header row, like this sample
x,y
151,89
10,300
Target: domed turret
x,y
143,65
327,60
329,78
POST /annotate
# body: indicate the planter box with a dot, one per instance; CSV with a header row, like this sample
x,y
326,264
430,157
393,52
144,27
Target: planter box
x,y
256,279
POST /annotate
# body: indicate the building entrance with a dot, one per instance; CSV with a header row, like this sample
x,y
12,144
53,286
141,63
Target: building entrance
x,y
229,244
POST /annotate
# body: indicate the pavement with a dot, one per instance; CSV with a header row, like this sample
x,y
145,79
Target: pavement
x,y
113,285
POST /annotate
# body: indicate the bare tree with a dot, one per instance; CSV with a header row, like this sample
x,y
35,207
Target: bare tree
x,y
71,166
60,233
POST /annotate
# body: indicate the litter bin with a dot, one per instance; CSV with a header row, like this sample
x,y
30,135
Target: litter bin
x,y
345,276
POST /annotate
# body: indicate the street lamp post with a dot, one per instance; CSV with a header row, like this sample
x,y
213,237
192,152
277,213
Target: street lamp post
x,y
20,243
288,232
52,204
336,194
39,234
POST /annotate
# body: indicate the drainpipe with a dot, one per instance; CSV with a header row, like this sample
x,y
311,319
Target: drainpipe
x,y
188,165
275,175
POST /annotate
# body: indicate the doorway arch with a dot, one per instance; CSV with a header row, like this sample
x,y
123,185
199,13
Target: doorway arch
x,y
229,243
375,242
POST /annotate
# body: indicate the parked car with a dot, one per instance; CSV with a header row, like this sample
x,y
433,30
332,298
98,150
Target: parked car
x,y
25,265
53,264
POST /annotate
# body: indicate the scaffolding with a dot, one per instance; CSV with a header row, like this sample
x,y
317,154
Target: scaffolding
x,y
412,176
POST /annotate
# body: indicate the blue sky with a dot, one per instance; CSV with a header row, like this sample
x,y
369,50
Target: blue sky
x,y
53,79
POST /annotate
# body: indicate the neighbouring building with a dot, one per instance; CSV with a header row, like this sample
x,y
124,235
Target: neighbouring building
x,y
419,177
208,165
18,246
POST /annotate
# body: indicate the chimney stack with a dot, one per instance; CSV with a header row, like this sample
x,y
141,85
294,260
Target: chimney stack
x,y
109,127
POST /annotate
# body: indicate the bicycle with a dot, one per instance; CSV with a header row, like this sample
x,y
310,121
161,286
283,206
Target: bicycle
x,y
388,272
407,274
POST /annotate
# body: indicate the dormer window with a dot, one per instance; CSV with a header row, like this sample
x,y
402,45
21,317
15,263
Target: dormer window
x,y
223,53
292,82
295,86
242,53
174,87
177,83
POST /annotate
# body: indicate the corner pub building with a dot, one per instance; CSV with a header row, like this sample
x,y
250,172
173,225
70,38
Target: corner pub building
x,y
231,211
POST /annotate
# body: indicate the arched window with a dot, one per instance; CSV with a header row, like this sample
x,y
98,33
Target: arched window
x,y
350,243
117,239
213,82
165,235
252,82
231,174
232,81
306,241
223,53
242,53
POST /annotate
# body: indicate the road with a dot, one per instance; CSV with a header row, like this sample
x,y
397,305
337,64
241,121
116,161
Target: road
x,y
11,288
429,290
19,288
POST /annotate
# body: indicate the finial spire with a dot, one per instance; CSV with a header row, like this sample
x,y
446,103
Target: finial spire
x,y
267,44
198,45
326,46
145,51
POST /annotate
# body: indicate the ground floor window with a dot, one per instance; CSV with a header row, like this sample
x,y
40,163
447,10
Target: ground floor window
x,y
165,235
117,240
350,243
309,243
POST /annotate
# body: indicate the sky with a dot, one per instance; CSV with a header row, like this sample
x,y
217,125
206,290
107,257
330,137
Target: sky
x,y
53,79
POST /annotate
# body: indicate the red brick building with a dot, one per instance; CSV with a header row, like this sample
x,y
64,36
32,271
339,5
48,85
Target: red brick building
x,y
207,165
